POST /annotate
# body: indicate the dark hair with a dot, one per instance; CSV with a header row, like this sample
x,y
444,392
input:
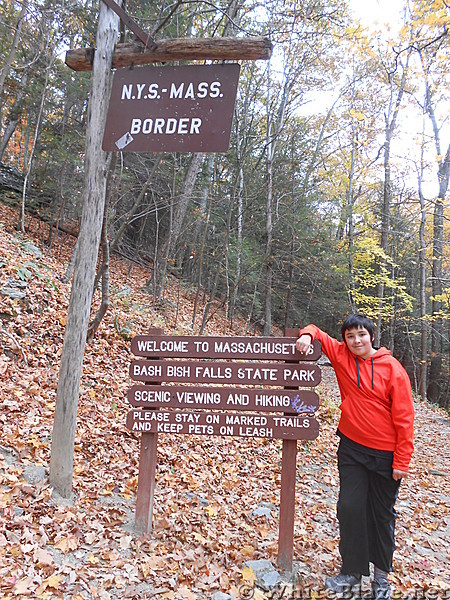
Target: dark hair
x,y
355,321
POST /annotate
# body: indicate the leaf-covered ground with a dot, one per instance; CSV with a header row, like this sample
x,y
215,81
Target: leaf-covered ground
x,y
207,487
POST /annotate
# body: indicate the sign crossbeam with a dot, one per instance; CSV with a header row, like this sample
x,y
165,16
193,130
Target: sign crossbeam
x,y
175,49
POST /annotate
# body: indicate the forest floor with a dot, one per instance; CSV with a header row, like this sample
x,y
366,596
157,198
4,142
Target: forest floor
x,y
205,526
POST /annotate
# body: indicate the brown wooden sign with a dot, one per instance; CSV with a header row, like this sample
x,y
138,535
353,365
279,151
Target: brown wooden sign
x,y
172,109
248,348
265,410
288,374
299,402
234,424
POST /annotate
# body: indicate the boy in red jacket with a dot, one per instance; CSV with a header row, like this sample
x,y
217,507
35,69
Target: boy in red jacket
x,y
376,444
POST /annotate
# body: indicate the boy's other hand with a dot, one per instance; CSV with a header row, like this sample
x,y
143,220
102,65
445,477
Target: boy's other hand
x,y
396,474
303,343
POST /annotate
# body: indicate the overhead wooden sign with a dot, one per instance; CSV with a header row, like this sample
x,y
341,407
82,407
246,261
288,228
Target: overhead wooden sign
x,y
172,109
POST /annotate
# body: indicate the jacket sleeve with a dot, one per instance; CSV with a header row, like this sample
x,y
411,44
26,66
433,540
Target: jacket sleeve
x,y
402,411
329,344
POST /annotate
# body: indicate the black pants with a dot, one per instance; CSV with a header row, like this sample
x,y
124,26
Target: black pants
x,y
365,508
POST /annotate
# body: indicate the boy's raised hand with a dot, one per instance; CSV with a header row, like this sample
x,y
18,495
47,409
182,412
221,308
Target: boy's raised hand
x,y
303,343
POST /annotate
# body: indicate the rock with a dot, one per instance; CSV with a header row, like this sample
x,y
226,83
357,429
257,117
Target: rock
x,y
264,509
12,293
124,291
261,512
17,283
30,248
268,505
34,475
271,579
220,596
11,178
266,575
202,501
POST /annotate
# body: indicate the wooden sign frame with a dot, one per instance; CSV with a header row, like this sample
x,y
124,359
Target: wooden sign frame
x,y
294,406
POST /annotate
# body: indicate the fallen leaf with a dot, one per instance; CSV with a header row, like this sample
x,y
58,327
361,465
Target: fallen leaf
x,y
248,575
23,586
53,582
94,560
42,557
198,536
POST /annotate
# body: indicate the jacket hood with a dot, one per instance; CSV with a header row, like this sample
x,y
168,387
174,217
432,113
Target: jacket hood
x,y
379,355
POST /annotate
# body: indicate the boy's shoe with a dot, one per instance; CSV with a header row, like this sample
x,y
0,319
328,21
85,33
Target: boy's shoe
x,y
343,583
381,589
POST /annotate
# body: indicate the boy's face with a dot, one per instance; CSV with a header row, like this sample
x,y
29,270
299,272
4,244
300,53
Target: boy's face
x,y
359,342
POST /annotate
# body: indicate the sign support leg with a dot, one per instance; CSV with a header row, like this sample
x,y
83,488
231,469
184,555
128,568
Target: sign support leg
x,y
287,495
148,456
287,505
146,482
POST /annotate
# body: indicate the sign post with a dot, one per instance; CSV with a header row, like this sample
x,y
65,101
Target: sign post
x,y
263,410
287,498
147,472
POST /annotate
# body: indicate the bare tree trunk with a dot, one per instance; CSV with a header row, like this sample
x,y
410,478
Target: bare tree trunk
x,y
104,273
271,143
71,264
12,52
166,249
435,386
200,263
350,203
434,392
391,121
240,145
61,461
192,266
13,116
423,284
21,223
293,236
240,222
268,259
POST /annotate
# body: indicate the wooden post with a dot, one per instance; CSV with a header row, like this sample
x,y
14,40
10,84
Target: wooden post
x,y
94,190
287,496
147,472
287,505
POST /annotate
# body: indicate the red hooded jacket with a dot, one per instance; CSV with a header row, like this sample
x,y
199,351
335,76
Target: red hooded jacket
x,y
376,400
